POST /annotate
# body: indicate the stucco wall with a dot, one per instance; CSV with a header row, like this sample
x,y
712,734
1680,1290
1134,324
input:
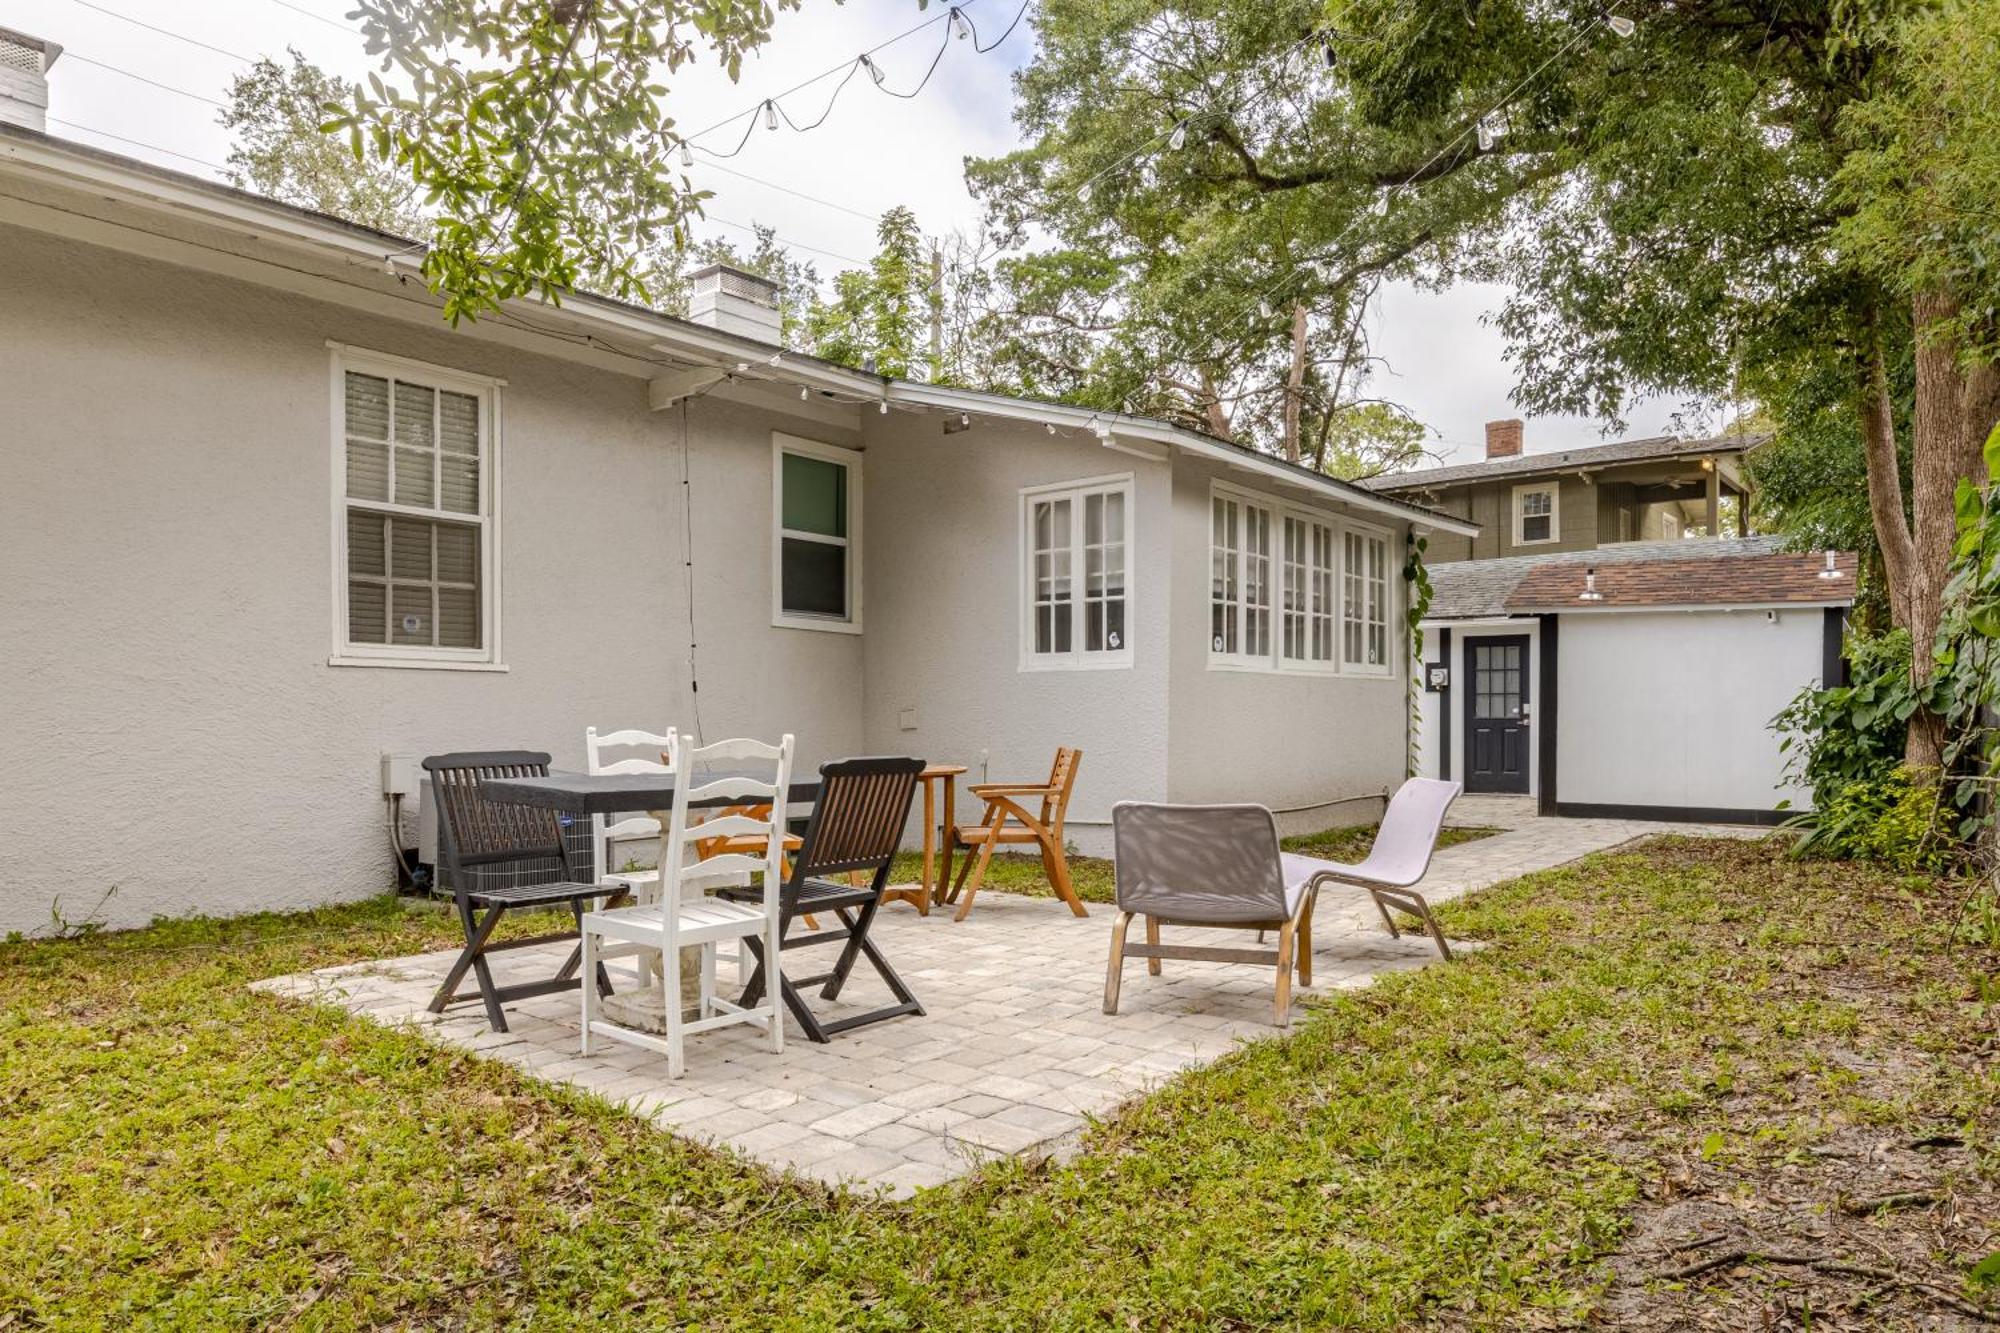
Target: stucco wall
x,y
1294,742
1430,705
943,638
164,617
1674,709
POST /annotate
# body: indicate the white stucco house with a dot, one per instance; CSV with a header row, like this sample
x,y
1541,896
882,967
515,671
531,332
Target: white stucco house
x,y
1634,681
267,519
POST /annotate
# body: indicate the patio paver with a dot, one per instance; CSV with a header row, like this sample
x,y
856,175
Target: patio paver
x,y
1013,1054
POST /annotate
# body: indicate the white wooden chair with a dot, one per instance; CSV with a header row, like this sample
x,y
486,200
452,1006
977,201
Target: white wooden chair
x,y
684,917
607,835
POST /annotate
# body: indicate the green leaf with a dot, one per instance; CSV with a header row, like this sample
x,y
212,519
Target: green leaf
x,y
1986,1272
1993,462
1711,1146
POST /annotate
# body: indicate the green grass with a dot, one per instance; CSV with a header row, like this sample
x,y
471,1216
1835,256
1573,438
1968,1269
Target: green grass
x,y
1091,876
1464,1146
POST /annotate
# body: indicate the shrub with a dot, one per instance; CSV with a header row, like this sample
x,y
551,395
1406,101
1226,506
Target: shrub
x,y
1891,817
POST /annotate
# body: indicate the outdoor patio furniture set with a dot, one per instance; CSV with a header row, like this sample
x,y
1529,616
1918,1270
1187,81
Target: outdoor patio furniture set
x,y
734,869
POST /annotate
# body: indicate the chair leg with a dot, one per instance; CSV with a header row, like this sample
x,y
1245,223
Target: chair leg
x,y
1431,924
1305,941
1114,971
976,865
476,933
670,966
1057,865
774,943
707,1004
1152,937
964,871
1282,1002
590,965
1387,920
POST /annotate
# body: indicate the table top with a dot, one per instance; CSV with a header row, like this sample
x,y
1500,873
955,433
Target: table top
x,y
942,770
616,793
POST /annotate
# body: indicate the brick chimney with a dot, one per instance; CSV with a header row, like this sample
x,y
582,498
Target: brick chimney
x,y
1503,439
24,78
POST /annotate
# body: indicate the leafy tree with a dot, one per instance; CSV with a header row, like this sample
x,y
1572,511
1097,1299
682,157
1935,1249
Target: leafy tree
x,y
881,316
274,113
664,272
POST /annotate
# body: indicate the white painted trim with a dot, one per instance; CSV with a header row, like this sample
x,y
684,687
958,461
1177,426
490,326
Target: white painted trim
x,y
1077,659
1554,492
1392,617
341,359
782,444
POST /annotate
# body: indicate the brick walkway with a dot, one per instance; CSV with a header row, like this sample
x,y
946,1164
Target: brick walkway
x,y
1013,1054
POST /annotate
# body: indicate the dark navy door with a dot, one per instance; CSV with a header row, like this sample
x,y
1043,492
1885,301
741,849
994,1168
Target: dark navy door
x,y
1496,713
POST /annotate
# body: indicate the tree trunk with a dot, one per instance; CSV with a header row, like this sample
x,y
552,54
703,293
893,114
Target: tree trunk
x,y
1295,383
1212,409
1955,408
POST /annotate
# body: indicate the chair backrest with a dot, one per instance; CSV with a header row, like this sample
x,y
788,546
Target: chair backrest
x,y
1062,781
743,780
605,832
1198,862
858,821
473,831
1409,832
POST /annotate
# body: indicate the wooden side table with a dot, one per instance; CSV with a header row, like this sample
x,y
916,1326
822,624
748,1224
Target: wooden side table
x,y
937,839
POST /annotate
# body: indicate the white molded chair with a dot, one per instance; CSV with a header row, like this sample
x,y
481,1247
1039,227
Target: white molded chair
x,y
683,917
606,835
1395,862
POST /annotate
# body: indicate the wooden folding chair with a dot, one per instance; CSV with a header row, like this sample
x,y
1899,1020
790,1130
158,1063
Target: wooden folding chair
x,y
1008,820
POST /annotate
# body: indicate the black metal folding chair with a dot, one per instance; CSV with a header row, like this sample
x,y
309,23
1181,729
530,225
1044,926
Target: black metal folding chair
x,y
857,825
499,858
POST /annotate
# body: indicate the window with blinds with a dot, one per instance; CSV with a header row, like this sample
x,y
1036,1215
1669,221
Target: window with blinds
x,y
415,540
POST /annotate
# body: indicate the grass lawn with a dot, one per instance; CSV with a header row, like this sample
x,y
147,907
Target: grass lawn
x,y
1091,876
1668,1061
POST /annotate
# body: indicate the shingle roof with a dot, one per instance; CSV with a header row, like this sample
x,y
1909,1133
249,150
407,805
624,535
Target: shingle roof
x,y
1783,578
1468,589
1591,456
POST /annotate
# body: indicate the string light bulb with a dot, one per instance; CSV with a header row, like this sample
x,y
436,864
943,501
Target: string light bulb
x,y
1492,129
1178,139
959,26
883,407
1621,25
874,71
770,114
804,393
687,153
1083,193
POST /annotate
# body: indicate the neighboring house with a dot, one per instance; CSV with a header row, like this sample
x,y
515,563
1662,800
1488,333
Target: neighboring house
x,y
1635,681
1580,499
267,519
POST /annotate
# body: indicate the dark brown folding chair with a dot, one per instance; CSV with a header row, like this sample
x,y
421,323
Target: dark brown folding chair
x,y
857,825
498,858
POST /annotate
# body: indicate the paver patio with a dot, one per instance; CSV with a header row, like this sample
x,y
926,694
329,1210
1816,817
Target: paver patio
x,y
1013,1054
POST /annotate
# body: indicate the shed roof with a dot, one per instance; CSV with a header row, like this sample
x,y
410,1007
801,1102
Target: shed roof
x,y
1753,571
1650,449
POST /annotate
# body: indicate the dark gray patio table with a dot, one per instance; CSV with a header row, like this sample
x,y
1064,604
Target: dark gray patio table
x,y
620,793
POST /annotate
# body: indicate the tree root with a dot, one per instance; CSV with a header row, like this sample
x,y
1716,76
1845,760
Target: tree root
x,y
1836,1268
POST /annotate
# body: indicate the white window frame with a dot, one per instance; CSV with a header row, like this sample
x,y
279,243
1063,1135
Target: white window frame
x,y
1391,581
1554,491
1338,527
487,390
1670,527
782,444
1078,658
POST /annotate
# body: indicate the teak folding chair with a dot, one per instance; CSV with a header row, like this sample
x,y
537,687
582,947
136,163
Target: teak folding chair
x,y
1008,820
478,839
857,825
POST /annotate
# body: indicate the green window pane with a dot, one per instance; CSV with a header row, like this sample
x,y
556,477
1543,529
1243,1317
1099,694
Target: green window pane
x,y
815,496
815,578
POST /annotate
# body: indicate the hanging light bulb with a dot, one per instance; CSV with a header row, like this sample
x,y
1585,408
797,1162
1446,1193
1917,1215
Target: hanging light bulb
x,y
1178,139
959,26
1083,193
874,71
687,153
1264,307
804,393
1621,25
770,114
883,407
1381,206
1492,129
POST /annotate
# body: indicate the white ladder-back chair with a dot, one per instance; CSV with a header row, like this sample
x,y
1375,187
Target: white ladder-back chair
x,y
683,917
606,834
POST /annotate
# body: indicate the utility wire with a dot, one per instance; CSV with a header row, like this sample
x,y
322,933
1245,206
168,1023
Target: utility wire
x,y
165,87
164,32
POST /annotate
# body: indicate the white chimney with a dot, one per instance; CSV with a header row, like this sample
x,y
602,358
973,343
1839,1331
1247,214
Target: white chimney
x,y
24,79
736,302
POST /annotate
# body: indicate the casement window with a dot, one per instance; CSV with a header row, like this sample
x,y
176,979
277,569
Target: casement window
x,y
415,543
1274,585
816,535
1076,596
1535,514
1364,612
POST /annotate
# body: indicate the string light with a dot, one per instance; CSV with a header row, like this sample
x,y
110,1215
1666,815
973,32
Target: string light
x,y
874,71
770,114
1493,127
1178,140
1621,25
687,153
959,27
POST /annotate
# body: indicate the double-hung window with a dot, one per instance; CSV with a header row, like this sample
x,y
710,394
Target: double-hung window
x,y
1364,612
1535,514
1076,543
415,542
1273,585
816,539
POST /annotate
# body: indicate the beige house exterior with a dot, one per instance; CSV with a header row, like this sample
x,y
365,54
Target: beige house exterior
x,y
267,520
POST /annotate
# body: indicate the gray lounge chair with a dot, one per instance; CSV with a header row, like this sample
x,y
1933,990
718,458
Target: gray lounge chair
x,y
1207,865
1397,861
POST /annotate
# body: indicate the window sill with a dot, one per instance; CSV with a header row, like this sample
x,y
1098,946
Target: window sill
x,y
811,623
1308,672
1121,663
416,663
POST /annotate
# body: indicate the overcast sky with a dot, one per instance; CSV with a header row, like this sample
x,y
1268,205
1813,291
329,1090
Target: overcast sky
x,y
873,152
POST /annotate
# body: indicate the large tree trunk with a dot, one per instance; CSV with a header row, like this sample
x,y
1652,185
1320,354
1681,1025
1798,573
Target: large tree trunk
x,y
1955,408
1295,383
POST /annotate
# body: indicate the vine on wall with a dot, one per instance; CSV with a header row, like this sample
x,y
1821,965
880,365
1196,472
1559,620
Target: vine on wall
x,y
1416,606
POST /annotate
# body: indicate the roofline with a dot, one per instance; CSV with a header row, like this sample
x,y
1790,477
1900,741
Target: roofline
x,y
176,191
1410,481
1525,613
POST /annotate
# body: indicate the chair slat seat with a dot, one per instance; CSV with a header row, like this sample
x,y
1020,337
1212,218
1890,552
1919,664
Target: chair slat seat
x,y
816,895
700,921
534,895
